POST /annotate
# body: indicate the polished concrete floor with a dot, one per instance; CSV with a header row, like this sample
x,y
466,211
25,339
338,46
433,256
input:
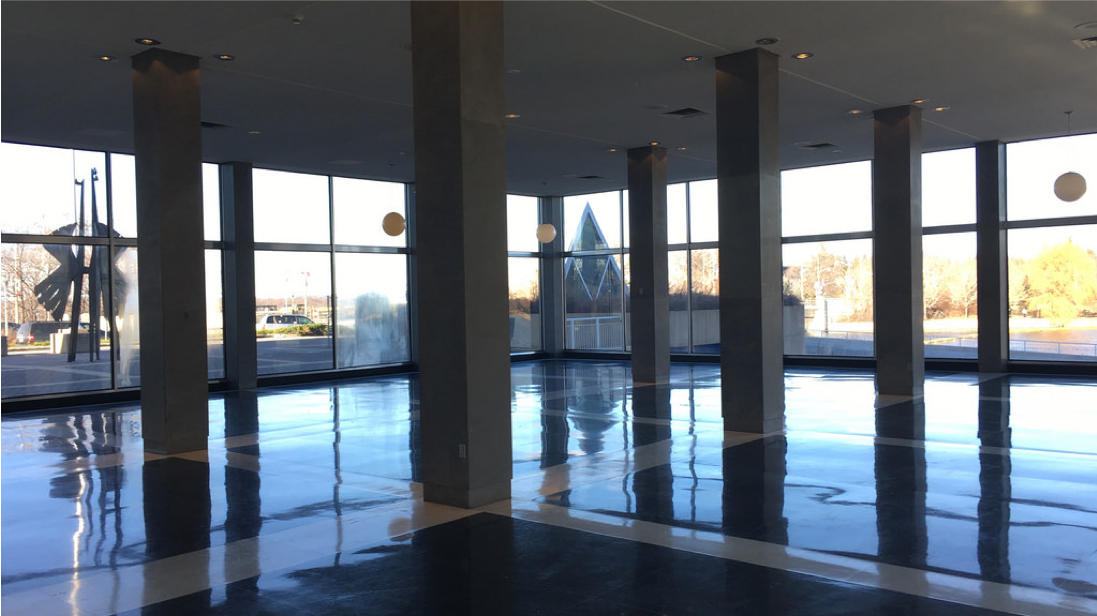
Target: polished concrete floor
x,y
979,499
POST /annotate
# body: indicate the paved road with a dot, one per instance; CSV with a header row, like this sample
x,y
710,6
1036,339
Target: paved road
x,y
40,372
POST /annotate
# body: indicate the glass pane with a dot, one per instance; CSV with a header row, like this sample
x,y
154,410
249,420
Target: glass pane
x,y
1053,293
525,303
290,207
593,288
703,216
678,289
360,208
677,220
592,222
215,317
128,319
522,221
53,191
38,308
705,267
949,295
948,188
372,316
123,194
292,301
1032,168
211,201
624,216
834,280
827,199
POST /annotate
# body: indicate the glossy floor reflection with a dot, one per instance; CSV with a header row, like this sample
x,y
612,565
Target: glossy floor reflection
x,y
980,498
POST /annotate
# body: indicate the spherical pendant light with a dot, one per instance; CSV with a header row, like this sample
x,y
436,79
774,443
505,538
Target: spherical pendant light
x,y
1070,186
393,224
546,233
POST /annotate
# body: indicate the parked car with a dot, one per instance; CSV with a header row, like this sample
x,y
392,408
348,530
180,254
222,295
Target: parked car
x,y
38,331
278,321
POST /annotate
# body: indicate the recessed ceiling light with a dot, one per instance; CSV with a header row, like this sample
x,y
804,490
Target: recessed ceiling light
x,y
803,55
511,116
941,108
919,101
855,112
514,71
224,57
654,143
106,58
682,148
612,150
255,132
768,40
146,41
691,58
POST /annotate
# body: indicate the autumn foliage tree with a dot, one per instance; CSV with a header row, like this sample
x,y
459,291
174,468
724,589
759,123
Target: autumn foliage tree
x,y
1062,281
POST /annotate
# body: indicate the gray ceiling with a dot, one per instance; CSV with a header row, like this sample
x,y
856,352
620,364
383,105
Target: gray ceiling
x,y
333,94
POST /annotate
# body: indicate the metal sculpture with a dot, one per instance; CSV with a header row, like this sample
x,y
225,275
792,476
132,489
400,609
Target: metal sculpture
x,y
53,291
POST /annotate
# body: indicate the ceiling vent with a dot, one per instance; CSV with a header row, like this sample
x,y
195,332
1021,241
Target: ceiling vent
x,y
819,146
1086,43
213,125
685,112
591,177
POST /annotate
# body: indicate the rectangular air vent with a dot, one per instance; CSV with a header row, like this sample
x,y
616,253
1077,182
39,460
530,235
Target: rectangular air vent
x,y
213,125
591,177
1086,43
819,146
685,112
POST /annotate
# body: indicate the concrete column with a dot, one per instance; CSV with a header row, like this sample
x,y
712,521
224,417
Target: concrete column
x,y
460,177
167,142
749,202
897,251
238,231
650,301
993,293
552,278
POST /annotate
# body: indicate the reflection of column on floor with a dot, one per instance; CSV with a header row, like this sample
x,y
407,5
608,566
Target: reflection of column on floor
x,y
243,518
177,521
995,483
415,456
901,506
754,490
468,568
653,486
554,422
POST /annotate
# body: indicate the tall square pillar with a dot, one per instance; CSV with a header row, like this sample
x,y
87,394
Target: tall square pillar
x,y
649,296
749,202
461,226
238,231
167,143
897,251
990,241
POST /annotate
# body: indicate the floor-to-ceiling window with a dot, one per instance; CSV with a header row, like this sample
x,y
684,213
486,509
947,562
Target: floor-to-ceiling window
x,y
1052,248
524,273
331,278
949,282
693,267
826,224
596,271
70,271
